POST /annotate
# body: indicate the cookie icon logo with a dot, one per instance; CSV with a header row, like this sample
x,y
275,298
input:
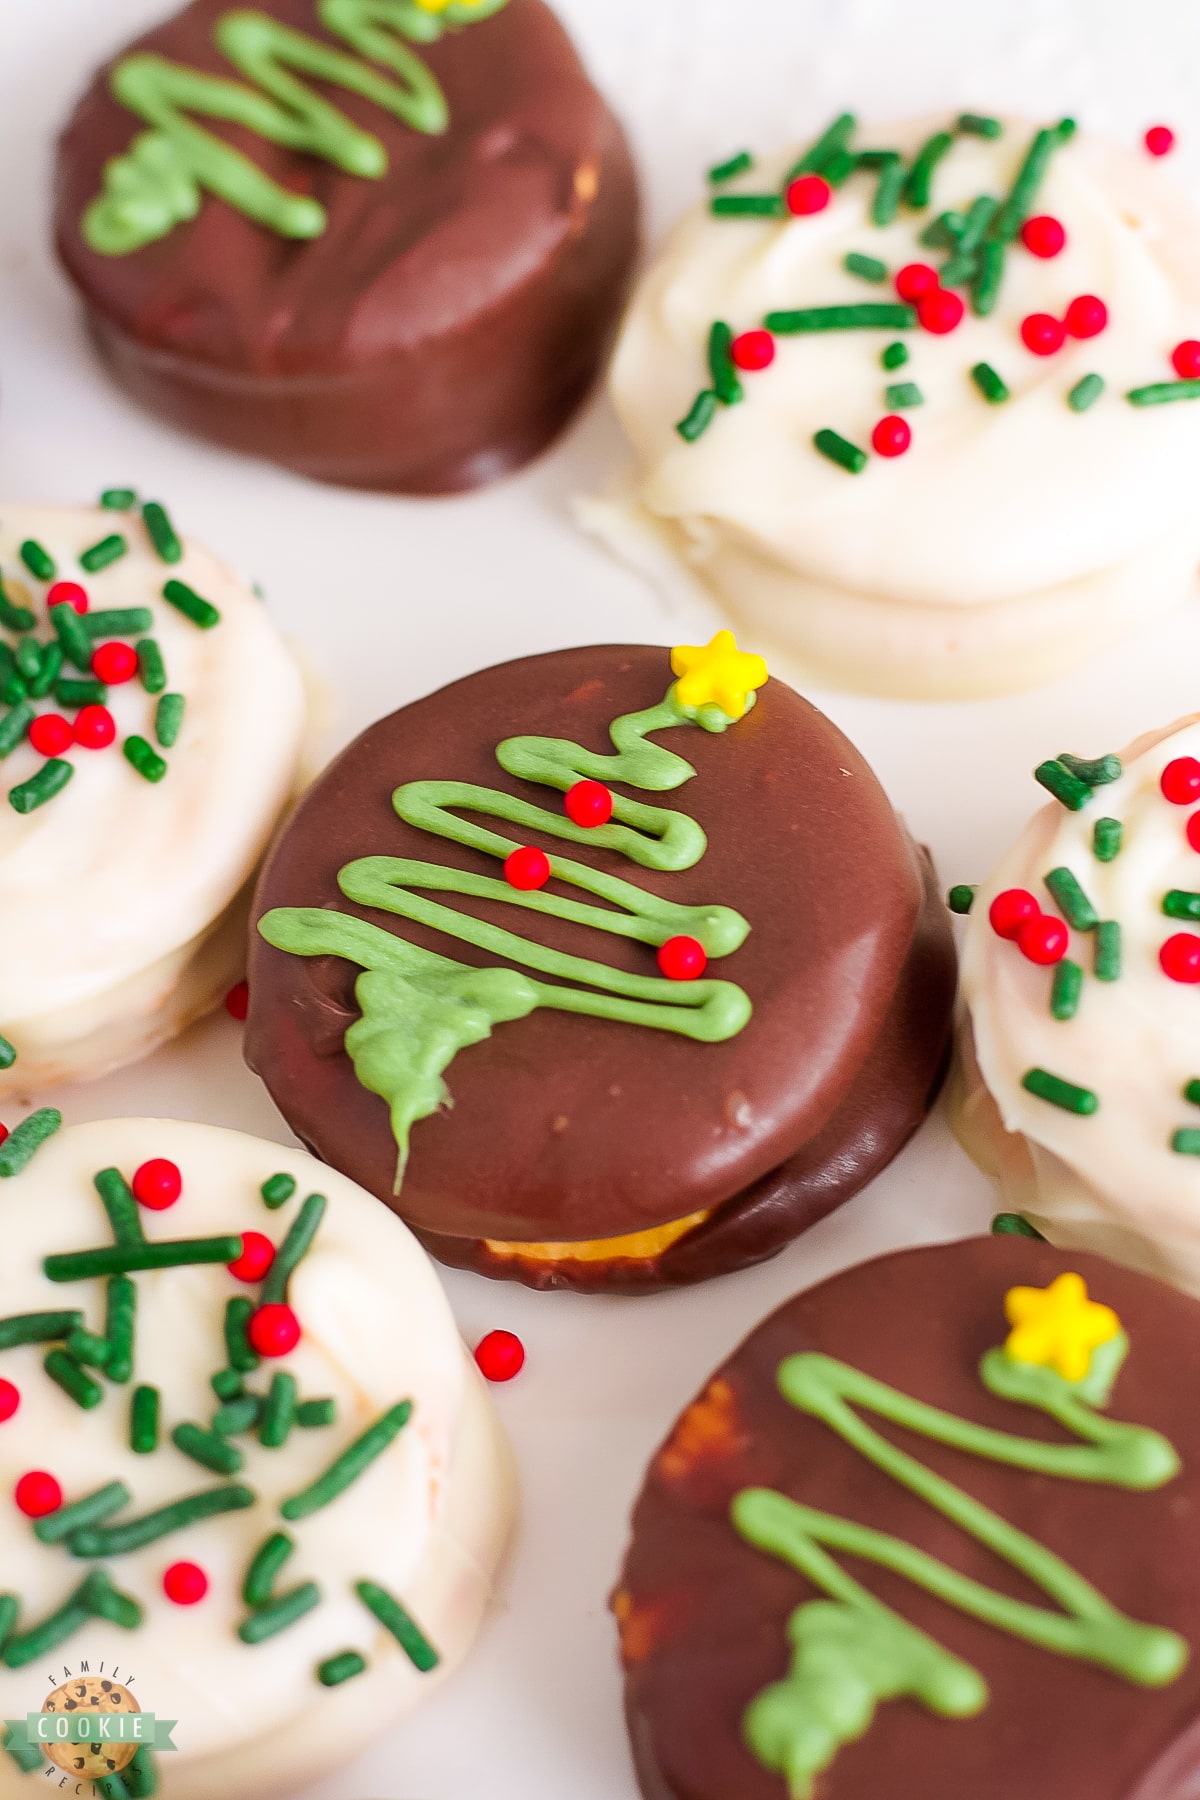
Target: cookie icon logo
x,y
96,1757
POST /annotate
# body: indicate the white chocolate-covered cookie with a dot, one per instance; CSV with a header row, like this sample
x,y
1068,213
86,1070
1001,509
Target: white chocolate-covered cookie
x,y
1118,1170
1014,537
424,1518
122,910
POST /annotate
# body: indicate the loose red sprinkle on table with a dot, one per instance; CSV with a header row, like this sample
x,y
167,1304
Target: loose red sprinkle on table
x,y
588,803
157,1184
114,663
10,1399
1043,940
50,734
940,310
752,350
500,1355
237,1000
258,1253
1086,316
915,279
1159,139
1180,957
1193,838
527,868
274,1329
1043,236
892,436
682,959
68,593
808,194
1010,910
37,1493
185,1583
1180,781
1043,333
95,727
1185,359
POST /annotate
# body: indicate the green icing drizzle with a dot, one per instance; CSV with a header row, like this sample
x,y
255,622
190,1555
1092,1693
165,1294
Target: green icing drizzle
x,y
850,1651
420,1009
157,184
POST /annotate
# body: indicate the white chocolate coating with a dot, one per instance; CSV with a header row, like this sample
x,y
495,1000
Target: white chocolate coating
x,y
1012,540
428,1520
121,904
1109,1182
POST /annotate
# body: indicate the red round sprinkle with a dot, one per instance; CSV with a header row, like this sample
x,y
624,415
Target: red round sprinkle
x,y
500,1355
752,350
1043,236
274,1330
1043,333
1193,838
185,1583
3,1132
915,279
114,663
258,1253
940,310
1185,359
808,194
682,959
1180,957
37,1493
237,1000
527,869
1180,781
1086,316
10,1399
1010,910
50,734
1043,940
68,593
892,436
1159,139
588,803
157,1184
95,727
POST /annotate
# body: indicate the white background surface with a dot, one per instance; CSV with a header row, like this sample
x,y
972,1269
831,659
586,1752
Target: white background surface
x,y
390,598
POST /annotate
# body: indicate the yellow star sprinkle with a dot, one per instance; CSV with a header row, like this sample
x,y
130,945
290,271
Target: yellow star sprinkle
x,y
717,674
1058,1326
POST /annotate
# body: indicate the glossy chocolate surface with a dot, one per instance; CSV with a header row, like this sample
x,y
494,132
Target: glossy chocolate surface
x,y
452,315
564,1127
887,1101
705,1615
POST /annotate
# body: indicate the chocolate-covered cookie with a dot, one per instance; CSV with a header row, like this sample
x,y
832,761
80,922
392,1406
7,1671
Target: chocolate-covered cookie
x,y
930,1530
622,1043
383,242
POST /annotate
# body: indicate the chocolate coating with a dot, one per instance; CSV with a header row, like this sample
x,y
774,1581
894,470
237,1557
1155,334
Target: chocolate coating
x,y
568,1128
704,1615
887,1101
451,317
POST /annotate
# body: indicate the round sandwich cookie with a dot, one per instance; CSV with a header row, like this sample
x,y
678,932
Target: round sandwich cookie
x,y
1077,1079
382,242
929,1531
151,724
911,403
607,968
251,1486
